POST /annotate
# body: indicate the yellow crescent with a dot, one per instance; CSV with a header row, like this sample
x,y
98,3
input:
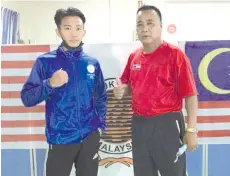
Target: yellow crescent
x,y
203,71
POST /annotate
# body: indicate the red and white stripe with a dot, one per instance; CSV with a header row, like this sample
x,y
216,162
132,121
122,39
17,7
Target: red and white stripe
x,y
24,127
21,127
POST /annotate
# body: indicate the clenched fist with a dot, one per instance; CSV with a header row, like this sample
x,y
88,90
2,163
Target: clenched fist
x,y
59,78
120,90
191,140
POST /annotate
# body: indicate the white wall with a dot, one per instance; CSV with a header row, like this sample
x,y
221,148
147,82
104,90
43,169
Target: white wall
x,y
199,21
194,21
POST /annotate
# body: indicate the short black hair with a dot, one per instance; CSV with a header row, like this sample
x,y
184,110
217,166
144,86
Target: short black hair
x,y
71,11
150,7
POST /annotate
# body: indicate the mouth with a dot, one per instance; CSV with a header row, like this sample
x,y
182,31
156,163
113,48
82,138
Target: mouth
x,y
73,41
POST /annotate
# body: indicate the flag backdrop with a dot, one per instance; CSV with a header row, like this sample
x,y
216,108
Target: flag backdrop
x,y
23,141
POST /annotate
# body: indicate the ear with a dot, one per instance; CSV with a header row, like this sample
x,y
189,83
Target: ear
x,y
84,33
58,33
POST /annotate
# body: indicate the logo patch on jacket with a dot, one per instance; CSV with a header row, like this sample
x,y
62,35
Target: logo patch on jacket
x,y
136,66
91,68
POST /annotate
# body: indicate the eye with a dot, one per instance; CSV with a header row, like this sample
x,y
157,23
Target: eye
x,y
151,23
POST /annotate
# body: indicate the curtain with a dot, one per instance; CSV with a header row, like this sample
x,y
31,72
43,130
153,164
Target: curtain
x,y
10,26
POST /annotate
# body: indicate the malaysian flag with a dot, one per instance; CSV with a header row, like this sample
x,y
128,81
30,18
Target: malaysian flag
x,y
23,127
211,66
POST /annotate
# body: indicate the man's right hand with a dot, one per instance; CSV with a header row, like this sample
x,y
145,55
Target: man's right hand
x,y
120,90
59,78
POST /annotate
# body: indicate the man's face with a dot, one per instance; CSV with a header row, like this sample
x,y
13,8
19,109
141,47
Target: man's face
x,y
148,26
71,30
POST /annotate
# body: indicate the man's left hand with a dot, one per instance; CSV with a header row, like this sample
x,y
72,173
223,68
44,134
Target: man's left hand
x,y
191,140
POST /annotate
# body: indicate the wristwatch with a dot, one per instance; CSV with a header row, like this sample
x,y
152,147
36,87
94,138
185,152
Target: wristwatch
x,y
191,130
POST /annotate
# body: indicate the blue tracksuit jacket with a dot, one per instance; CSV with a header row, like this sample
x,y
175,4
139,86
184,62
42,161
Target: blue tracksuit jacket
x,y
77,108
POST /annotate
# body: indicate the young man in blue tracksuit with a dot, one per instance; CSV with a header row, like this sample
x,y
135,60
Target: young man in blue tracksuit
x,y
72,85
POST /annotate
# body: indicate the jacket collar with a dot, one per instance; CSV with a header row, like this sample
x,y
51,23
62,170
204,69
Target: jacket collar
x,y
75,53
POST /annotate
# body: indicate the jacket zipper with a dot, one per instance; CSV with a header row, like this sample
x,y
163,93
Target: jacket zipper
x,y
78,108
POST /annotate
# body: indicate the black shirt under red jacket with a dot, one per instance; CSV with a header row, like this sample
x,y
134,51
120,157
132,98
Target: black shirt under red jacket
x,y
159,80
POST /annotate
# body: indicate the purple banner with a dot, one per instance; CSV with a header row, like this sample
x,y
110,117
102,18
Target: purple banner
x,y
211,67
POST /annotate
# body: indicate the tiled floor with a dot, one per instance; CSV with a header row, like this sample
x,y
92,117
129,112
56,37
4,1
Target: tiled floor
x,y
19,162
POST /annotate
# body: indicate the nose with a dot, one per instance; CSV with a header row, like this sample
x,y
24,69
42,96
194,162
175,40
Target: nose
x,y
145,28
74,33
